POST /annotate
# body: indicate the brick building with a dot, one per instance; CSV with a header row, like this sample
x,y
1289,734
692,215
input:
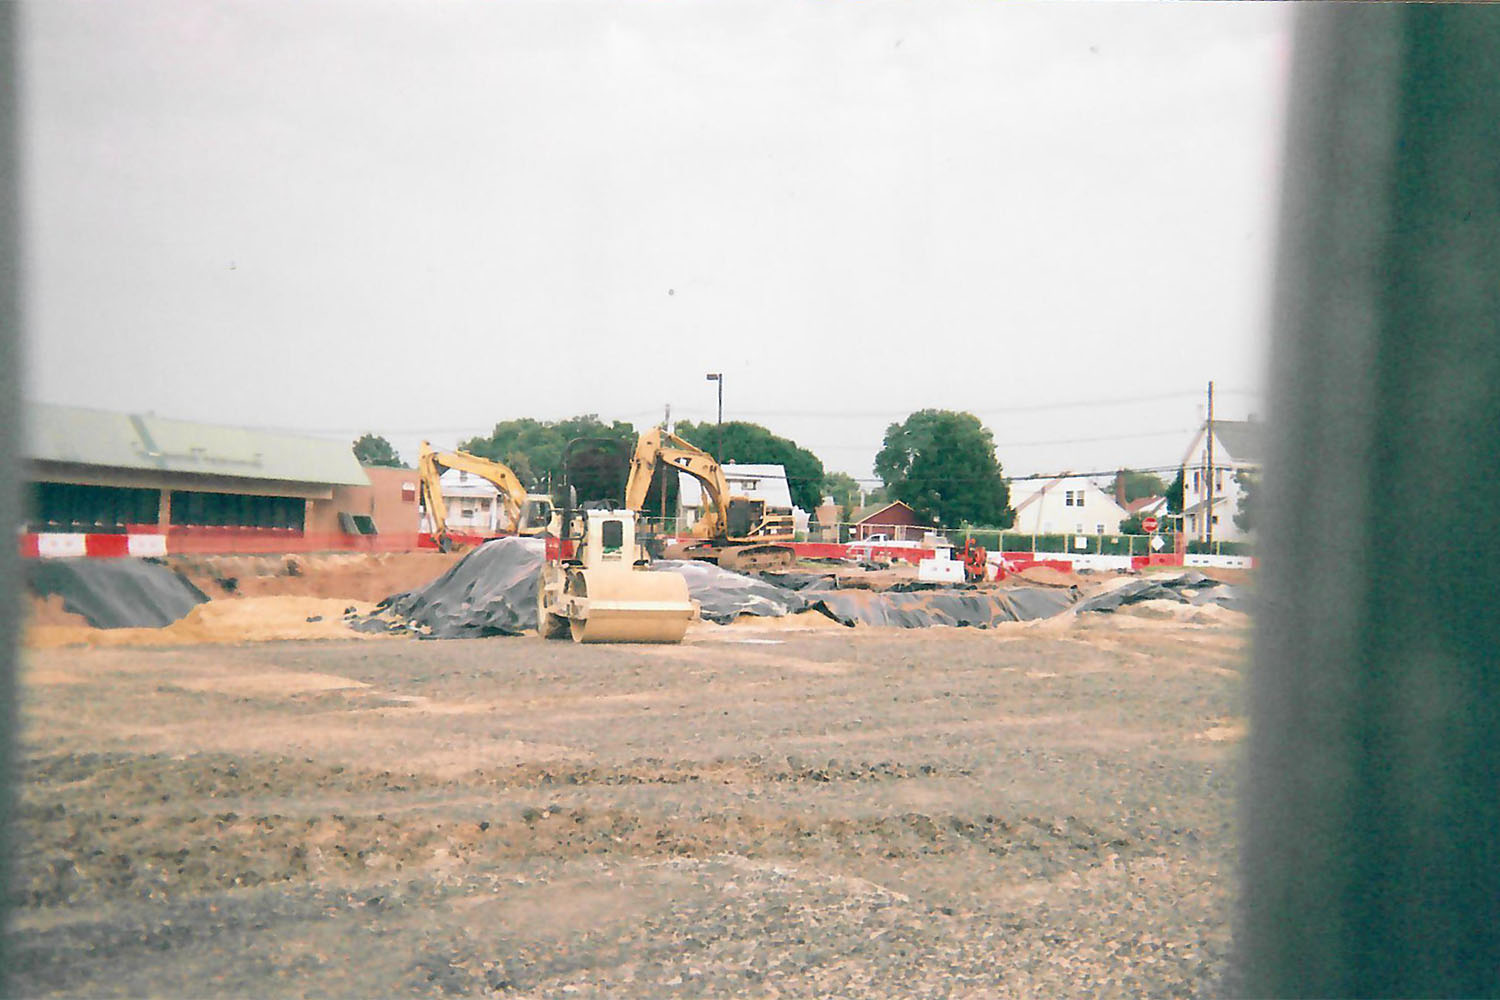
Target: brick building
x,y
92,472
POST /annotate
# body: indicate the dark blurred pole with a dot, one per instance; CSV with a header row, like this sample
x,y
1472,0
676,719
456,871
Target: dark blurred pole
x,y
10,449
719,427
1372,815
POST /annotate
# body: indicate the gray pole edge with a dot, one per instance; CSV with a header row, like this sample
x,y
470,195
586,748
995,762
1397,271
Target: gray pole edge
x,y
1371,815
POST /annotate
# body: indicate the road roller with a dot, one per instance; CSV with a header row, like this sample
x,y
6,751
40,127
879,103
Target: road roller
x,y
596,586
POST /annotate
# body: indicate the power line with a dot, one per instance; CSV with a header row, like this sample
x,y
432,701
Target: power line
x,y
1028,408
482,425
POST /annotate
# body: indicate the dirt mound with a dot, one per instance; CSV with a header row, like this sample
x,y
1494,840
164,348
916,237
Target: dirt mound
x,y
115,593
250,619
359,576
1049,577
49,610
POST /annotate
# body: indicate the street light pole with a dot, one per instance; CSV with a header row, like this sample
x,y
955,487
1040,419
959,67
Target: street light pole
x,y
719,430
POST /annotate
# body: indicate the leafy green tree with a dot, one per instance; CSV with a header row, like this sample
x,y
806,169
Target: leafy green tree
x,y
534,451
844,489
1245,508
1141,484
942,464
372,449
753,444
1174,492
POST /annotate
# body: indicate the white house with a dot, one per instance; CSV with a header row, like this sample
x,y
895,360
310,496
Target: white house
x,y
1237,448
1065,505
472,502
759,482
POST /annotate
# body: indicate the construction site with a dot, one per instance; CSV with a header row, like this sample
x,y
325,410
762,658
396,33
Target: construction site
x,y
370,773
635,500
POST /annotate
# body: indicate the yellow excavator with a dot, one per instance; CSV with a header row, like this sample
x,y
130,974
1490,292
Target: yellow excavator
x,y
739,533
596,584
528,513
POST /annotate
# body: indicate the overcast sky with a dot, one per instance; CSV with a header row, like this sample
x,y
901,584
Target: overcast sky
x,y
420,218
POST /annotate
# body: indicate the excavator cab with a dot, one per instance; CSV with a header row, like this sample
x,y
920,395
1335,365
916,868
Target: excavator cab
x,y
537,514
736,532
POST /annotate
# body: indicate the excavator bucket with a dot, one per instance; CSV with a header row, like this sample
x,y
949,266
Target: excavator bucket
x,y
610,605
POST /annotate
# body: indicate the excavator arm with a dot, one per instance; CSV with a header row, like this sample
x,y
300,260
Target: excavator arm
x,y
738,533
430,466
656,446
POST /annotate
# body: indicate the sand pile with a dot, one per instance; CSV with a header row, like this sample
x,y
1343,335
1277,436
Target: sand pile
x,y
362,576
1049,577
249,619
49,610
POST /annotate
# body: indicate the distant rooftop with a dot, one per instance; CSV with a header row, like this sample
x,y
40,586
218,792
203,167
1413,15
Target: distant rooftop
x,y
760,481
81,436
1243,439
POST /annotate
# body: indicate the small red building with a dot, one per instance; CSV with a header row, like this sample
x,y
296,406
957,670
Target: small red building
x,y
895,520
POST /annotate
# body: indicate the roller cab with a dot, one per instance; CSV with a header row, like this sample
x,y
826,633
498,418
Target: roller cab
x,y
604,592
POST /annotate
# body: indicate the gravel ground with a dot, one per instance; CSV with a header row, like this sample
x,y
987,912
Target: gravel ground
x,y
1038,810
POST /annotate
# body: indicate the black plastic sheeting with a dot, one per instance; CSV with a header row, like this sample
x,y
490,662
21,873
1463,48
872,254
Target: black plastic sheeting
x,y
723,595
1189,588
796,580
923,609
116,593
492,591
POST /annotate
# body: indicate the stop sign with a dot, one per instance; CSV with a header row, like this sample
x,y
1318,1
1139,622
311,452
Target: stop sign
x,y
1148,524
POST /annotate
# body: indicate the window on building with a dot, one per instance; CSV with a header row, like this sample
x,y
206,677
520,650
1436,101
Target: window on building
x,y
1197,480
1098,529
75,507
408,492
1219,480
463,476
236,510
1216,519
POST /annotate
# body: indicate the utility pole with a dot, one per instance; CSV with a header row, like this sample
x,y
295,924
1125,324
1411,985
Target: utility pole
x,y
666,425
719,431
1209,515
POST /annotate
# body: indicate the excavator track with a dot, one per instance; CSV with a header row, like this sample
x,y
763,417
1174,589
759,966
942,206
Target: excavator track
x,y
757,558
763,558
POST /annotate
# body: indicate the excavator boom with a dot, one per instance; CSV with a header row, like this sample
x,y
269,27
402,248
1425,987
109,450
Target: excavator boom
x,y
736,532
430,466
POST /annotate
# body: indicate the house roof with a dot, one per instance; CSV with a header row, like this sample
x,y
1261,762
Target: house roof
x,y
1141,503
1046,485
456,483
770,484
1202,504
1243,439
869,511
81,436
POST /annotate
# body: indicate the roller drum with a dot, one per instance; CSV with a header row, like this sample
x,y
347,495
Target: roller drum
x,y
628,606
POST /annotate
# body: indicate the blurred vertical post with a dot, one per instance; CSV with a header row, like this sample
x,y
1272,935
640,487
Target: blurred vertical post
x,y
10,449
1371,818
